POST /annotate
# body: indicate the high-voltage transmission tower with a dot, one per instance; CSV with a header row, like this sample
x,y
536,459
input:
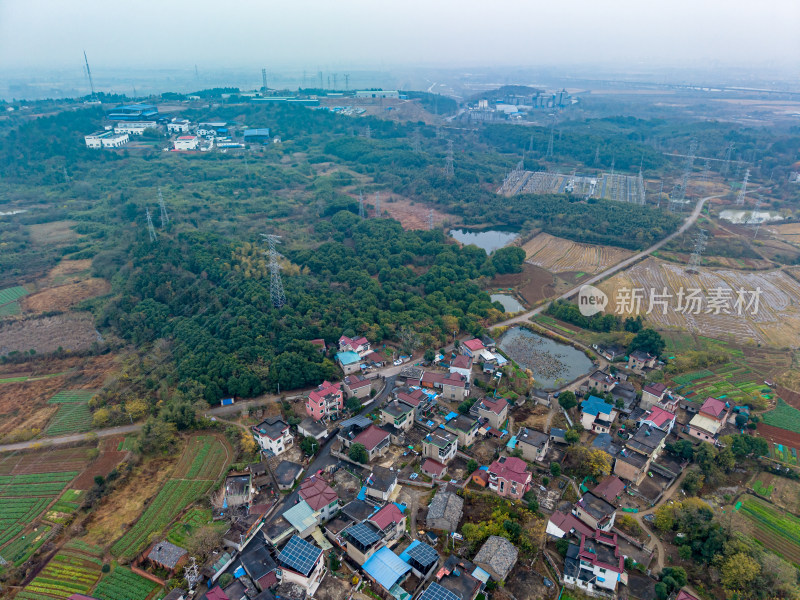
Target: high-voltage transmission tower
x,y
679,191
192,574
449,168
368,132
699,245
416,143
276,293
707,171
641,187
163,207
754,220
743,190
360,205
726,164
151,231
530,144
66,175
264,80
549,153
597,156
430,219
377,204
93,99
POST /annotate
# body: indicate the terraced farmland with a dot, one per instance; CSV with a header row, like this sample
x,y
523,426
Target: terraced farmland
x,y
73,415
779,531
124,584
23,498
76,569
558,255
732,381
201,463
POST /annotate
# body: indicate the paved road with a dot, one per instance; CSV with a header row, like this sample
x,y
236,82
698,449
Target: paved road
x,y
690,220
70,439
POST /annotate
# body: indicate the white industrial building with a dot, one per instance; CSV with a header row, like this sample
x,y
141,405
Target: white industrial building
x,y
135,127
178,126
186,142
377,94
106,139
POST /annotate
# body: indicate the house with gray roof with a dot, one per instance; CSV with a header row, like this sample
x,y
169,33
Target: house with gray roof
x,y
166,554
287,473
497,557
445,510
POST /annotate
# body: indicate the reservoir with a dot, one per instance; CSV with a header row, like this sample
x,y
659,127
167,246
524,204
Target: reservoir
x,y
489,240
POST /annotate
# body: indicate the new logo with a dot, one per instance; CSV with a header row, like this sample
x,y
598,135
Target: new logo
x,y
591,300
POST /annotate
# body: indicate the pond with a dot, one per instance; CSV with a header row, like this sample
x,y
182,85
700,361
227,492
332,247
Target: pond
x,y
553,364
489,240
510,303
749,216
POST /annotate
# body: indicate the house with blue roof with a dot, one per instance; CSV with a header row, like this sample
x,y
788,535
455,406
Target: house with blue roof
x,y
349,361
597,415
389,571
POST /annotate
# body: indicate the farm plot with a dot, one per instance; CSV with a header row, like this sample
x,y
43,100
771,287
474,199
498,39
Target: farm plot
x,y
66,296
60,460
559,255
74,570
74,331
776,322
124,584
193,520
22,548
11,294
777,530
73,415
23,498
199,467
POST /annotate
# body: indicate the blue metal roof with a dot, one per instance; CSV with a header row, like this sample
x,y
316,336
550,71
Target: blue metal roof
x,y
404,554
348,357
386,567
594,405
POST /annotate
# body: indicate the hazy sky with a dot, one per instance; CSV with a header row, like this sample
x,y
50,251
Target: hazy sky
x,y
367,33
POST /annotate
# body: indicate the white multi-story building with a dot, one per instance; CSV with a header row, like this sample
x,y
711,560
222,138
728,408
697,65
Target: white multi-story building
x,y
596,565
178,126
106,139
186,142
273,435
135,127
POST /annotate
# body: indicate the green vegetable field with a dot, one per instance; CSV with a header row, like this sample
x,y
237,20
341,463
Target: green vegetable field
x,y
777,530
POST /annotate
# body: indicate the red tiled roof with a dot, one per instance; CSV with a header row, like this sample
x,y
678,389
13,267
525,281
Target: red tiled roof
x,y
462,361
496,406
216,593
569,522
354,342
609,489
371,437
325,389
713,408
356,381
682,595
659,417
386,516
433,466
453,379
317,493
511,469
657,389
268,580
474,344
412,399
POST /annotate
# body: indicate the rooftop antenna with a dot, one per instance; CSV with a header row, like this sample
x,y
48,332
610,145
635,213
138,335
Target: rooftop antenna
x,y
743,189
449,168
276,293
150,229
699,245
377,204
360,205
93,99
264,80
163,207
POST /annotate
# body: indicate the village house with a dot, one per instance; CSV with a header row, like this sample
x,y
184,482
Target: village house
x,y
308,427
361,430
302,563
381,483
359,345
631,466
625,392
462,364
166,555
319,343
399,414
610,489
350,362
533,444
409,376
562,525
238,489
457,579
357,386
320,497
260,567
509,477
595,511
362,540
709,420
273,436
440,445
452,386
422,557
558,435
659,418
390,521
433,468
497,557
325,401
287,473
388,571
178,125
444,512
302,518
611,352
375,359
602,381
471,348
652,394
494,410
465,428
597,415
595,565
639,360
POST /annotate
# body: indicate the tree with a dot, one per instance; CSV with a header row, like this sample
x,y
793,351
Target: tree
x,y
136,408
738,572
685,552
101,417
430,354
648,340
204,540
562,546
693,482
309,445
472,465
572,437
358,453
353,404
665,518
247,443
661,591
508,259
555,469
567,400
409,340
513,528
156,436
619,404
589,461
677,575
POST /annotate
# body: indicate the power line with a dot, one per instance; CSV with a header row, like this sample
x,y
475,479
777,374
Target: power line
x,y
449,166
726,165
743,190
699,245
679,191
430,219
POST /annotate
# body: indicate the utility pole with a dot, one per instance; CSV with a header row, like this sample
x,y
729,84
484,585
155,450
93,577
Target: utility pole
x,y
163,207
276,293
151,231
368,132
334,81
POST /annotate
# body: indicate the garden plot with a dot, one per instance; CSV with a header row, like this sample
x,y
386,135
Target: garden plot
x,y
559,255
74,331
124,584
731,382
775,529
75,569
73,415
776,323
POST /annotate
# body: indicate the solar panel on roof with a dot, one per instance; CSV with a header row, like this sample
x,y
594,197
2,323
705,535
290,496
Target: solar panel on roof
x,y
299,555
363,534
423,554
437,592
